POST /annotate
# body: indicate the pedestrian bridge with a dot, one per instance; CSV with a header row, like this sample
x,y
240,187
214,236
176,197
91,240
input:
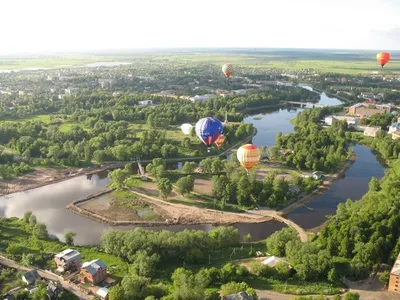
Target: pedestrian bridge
x,y
304,104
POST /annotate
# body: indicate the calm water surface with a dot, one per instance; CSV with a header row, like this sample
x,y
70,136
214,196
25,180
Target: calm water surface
x,y
48,202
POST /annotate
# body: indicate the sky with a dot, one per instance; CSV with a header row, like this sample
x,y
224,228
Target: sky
x,y
29,26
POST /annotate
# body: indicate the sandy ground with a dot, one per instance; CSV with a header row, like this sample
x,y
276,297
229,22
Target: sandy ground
x,y
40,177
203,186
101,206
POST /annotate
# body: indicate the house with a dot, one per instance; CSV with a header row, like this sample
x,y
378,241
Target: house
x,y
394,127
54,289
239,296
329,120
68,260
363,110
31,277
396,135
272,261
201,97
93,272
317,175
372,131
103,293
145,102
395,276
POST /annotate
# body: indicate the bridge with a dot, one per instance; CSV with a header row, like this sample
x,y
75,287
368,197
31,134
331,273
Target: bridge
x,y
303,104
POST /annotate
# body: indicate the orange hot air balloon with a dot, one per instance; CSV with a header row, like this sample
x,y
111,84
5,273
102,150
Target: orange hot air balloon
x,y
248,156
220,140
227,69
383,58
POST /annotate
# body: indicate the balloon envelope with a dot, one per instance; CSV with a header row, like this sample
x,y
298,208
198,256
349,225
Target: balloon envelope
x,y
208,130
227,69
186,128
248,155
220,140
383,58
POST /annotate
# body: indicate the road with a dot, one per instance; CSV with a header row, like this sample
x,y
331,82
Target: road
x,y
65,284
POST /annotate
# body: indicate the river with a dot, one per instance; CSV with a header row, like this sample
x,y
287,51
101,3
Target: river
x,y
48,202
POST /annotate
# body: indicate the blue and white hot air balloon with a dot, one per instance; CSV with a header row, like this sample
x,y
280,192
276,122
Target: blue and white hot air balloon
x,y
208,130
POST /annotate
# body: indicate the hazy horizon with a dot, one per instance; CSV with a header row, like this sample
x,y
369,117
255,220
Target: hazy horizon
x,y
45,26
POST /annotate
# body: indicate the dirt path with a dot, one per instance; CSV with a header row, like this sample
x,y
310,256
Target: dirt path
x,y
328,182
184,214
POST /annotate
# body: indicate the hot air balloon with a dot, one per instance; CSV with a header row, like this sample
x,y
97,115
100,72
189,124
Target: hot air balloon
x,y
383,58
208,130
186,128
248,156
227,69
220,140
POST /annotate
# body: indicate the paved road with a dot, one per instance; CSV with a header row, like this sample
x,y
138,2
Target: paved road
x,y
65,284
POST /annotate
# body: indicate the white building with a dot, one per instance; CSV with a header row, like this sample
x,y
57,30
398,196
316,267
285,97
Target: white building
x,y
329,120
102,292
394,127
145,102
201,97
372,131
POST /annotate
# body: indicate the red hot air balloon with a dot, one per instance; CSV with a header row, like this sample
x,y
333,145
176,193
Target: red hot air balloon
x,y
227,69
220,140
383,58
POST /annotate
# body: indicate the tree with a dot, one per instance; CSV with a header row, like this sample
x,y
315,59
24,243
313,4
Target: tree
x,y
352,296
181,185
384,278
40,294
69,237
32,220
134,286
118,177
144,265
276,242
27,259
22,295
247,238
165,187
235,287
116,293
374,184
186,285
189,167
40,231
27,216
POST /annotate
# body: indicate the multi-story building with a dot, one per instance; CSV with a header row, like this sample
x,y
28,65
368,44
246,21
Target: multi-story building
x,y
360,109
93,272
68,260
394,281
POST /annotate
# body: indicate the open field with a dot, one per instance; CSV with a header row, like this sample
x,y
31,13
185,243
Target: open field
x,y
347,62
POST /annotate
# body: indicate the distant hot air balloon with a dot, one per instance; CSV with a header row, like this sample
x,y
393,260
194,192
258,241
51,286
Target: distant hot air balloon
x,y
220,140
248,156
227,69
208,130
186,128
383,58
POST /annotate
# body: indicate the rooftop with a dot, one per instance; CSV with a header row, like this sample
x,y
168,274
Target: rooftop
x,y
93,266
102,292
396,267
68,254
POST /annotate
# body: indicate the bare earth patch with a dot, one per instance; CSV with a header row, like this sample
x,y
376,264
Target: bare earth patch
x,y
40,177
203,186
101,206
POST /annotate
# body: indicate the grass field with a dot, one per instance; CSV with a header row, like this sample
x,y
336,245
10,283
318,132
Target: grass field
x,y
15,231
12,63
361,62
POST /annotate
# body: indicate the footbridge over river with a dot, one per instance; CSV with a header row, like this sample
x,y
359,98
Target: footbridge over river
x,y
303,104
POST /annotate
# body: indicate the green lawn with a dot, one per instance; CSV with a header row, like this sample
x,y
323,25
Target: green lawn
x,y
14,230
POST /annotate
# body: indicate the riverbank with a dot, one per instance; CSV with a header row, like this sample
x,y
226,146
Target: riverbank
x,y
330,179
46,176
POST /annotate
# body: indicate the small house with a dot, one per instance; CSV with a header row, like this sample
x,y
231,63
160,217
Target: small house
x,y
31,277
93,272
68,260
272,261
329,120
145,102
395,135
102,293
317,175
394,127
372,131
54,289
